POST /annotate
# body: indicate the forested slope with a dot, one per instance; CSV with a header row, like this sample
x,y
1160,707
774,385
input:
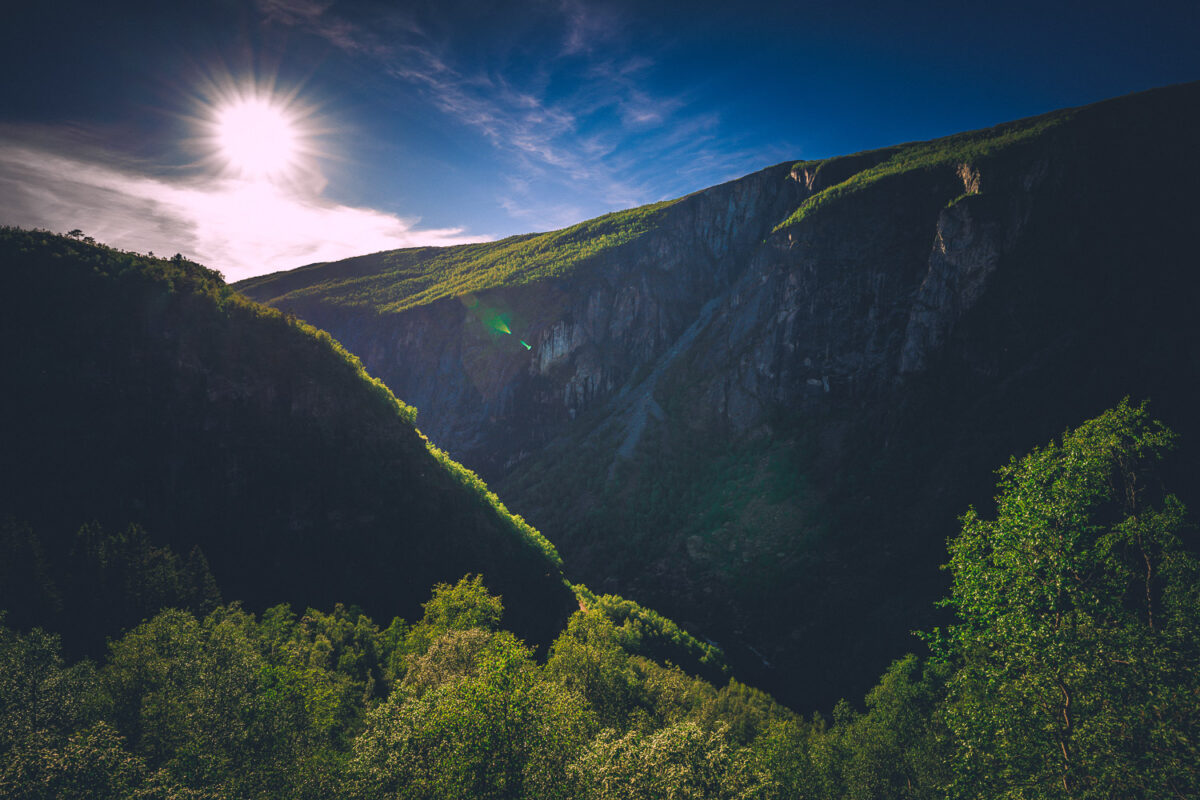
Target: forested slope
x,y
145,392
1070,673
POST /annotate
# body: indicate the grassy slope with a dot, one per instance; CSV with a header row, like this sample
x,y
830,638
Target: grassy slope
x,y
396,280
969,148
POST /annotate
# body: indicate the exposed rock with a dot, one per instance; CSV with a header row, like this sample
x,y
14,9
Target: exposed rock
x,y
482,396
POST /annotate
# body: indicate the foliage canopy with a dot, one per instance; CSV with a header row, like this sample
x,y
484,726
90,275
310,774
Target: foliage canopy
x,y
1079,637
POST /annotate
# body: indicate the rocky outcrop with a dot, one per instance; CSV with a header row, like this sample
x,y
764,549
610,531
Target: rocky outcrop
x,y
972,233
488,400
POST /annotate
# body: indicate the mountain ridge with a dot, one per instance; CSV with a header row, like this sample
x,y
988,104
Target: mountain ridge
x,y
853,372
152,394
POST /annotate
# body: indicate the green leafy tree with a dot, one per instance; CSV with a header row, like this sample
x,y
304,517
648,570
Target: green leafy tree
x,y
1079,639
669,693
745,710
898,749
344,647
680,762
465,605
455,655
497,731
588,658
38,692
92,763
790,761
199,699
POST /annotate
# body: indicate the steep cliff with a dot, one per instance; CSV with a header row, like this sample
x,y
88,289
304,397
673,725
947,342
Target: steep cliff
x,y
763,412
590,326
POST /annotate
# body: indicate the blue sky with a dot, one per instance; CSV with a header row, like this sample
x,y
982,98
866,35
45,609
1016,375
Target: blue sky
x,y
441,122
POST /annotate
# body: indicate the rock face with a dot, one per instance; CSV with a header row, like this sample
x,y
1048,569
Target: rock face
x,y
972,233
488,400
764,415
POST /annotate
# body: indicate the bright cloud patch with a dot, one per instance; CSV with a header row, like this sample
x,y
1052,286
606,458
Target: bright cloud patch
x,y
240,227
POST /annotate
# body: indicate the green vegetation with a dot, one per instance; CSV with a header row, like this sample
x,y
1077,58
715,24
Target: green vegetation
x,y
396,280
956,200
230,705
872,168
515,522
645,631
1071,673
330,705
152,394
103,583
1080,632
711,510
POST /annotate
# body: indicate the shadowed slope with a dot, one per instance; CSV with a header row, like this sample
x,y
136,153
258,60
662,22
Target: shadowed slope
x,y
146,391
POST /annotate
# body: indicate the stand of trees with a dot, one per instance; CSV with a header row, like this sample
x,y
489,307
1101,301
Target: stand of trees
x,y
1071,672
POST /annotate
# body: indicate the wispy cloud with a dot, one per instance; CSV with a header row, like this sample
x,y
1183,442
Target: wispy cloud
x,y
589,25
313,14
572,141
581,119
522,202
240,227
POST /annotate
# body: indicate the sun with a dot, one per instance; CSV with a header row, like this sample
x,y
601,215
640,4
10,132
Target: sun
x,y
255,130
258,138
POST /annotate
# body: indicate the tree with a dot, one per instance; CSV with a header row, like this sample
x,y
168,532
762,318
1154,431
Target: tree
x,y
898,749
1079,637
680,762
39,694
790,761
92,763
465,605
485,725
587,658
198,699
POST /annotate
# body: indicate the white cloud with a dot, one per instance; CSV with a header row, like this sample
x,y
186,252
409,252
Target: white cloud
x,y
543,135
239,227
576,123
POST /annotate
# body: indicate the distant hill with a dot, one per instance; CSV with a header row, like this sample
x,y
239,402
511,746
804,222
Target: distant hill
x,y
761,408
145,392
400,279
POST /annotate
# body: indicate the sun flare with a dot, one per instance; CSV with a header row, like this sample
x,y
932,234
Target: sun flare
x,y
257,137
